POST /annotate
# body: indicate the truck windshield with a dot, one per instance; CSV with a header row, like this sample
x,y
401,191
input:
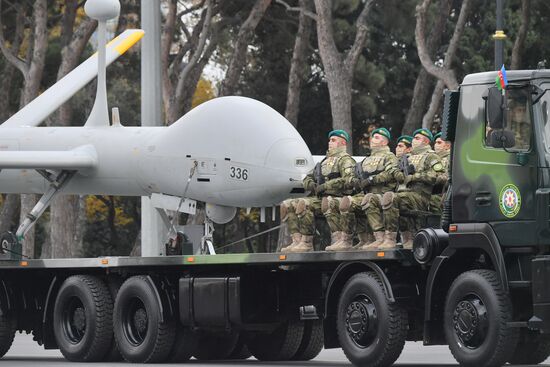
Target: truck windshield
x,y
541,111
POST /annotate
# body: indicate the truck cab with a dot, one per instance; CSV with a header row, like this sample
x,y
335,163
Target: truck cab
x,y
486,290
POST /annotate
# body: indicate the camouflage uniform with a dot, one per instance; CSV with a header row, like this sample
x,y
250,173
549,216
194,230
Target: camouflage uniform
x,y
415,194
362,213
440,183
337,170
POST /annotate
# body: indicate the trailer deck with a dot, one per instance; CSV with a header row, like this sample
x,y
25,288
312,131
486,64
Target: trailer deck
x,y
405,257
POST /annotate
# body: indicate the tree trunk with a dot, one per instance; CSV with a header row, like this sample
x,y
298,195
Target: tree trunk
x,y
65,214
238,59
297,66
445,74
424,81
519,44
339,68
9,213
31,88
435,102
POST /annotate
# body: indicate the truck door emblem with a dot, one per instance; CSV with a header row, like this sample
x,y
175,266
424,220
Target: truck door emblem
x,y
510,201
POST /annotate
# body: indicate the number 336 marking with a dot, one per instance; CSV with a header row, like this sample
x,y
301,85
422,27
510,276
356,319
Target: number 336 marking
x,y
238,173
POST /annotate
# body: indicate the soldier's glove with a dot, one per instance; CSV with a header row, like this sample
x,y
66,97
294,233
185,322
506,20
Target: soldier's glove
x,y
367,182
320,189
355,184
310,186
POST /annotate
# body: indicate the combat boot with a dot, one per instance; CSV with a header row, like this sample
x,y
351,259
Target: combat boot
x,y
345,243
296,237
365,238
407,240
389,241
379,238
336,237
305,245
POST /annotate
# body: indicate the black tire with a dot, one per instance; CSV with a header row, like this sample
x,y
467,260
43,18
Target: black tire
x,y
532,348
312,341
215,346
140,335
185,345
241,350
371,330
279,345
476,313
82,319
7,333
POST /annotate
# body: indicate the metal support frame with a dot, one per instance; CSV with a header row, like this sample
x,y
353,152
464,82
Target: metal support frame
x,y
207,241
57,182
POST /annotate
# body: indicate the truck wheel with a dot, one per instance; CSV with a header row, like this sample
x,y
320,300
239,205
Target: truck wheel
x,y
532,348
476,313
185,345
280,345
312,341
371,330
140,335
215,346
241,350
82,319
7,333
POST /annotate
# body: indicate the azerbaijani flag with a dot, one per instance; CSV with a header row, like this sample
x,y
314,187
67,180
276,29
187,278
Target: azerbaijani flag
x,y
501,80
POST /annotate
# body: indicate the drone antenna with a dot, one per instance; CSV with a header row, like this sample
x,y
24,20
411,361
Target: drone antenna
x,y
102,11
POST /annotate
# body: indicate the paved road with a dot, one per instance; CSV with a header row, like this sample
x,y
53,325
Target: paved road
x,y
25,352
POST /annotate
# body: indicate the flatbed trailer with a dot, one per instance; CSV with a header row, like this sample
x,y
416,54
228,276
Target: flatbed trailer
x,y
281,306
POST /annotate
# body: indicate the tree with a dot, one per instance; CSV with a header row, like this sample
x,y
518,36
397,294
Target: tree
x,y
519,44
246,32
297,73
425,81
339,66
31,67
178,76
65,232
445,74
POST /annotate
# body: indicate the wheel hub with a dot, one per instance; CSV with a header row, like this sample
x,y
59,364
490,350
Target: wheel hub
x,y
470,321
74,320
79,319
361,321
140,320
135,322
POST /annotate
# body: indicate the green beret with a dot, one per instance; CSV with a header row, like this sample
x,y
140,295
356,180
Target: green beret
x,y
381,131
407,139
427,133
438,135
339,133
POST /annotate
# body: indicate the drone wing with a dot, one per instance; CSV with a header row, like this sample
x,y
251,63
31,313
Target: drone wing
x,y
42,106
81,158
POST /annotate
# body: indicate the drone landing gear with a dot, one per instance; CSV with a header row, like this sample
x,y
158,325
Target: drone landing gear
x,y
57,182
207,243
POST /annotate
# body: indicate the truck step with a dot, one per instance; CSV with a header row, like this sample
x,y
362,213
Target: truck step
x,y
519,284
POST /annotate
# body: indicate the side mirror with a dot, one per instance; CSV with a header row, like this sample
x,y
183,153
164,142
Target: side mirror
x,y
501,139
495,108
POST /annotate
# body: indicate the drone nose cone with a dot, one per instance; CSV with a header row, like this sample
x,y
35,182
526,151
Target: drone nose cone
x,y
292,156
102,10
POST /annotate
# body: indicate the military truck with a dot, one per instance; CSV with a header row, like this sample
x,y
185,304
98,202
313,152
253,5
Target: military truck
x,y
477,283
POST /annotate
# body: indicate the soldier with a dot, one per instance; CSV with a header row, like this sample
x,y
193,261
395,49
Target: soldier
x,y
520,124
419,172
404,145
375,175
327,180
443,150
288,215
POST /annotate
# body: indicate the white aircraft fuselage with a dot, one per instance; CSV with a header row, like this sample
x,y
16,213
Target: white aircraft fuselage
x,y
246,155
